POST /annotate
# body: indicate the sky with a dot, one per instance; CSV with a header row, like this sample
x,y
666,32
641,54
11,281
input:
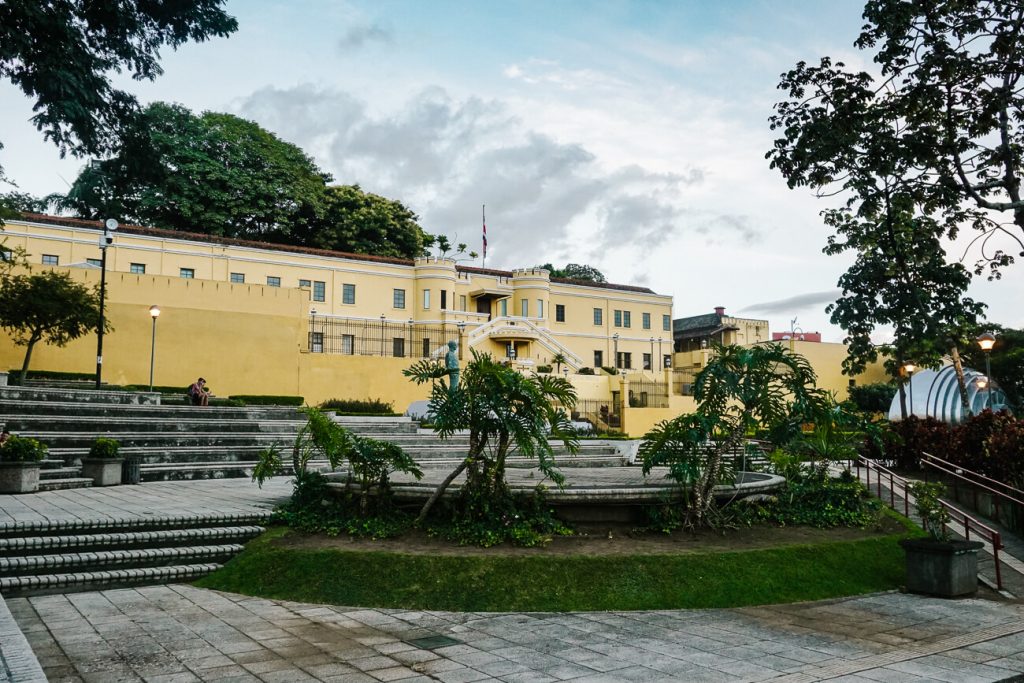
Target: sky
x,y
626,135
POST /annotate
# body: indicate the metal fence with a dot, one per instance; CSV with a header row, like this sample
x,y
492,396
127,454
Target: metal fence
x,y
644,393
604,415
352,337
682,381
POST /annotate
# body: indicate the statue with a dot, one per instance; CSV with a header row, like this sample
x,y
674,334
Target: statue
x,y
451,361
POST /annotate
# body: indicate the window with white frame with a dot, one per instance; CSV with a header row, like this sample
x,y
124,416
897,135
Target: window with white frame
x,y
238,278
273,281
348,294
187,273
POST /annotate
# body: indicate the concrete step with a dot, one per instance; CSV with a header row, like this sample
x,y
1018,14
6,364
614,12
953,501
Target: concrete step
x,y
42,424
44,527
79,396
43,545
83,440
51,463
23,407
46,584
65,483
50,473
116,559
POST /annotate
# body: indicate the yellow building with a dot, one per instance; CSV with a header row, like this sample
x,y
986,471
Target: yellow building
x,y
262,318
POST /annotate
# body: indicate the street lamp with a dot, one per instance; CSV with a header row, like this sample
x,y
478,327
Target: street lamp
x,y
382,335
105,241
909,368
986,340
615,352
154,313
462,328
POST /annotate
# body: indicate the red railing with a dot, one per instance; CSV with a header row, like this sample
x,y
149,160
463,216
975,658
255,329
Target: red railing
x,y
968,523
1001,493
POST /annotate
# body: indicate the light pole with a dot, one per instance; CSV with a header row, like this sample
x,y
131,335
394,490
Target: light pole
x,y
382,335
462,328
986,341
652,355
910,368
154,313
615,352
105,241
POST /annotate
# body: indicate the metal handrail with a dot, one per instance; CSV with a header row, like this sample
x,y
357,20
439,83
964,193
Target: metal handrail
x,y
994,538
959,471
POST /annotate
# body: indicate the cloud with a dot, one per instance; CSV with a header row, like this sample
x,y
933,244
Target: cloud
x,y
795,303
358,36
445,157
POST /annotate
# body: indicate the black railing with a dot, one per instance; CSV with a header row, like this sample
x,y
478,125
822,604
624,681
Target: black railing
x,y
682,381
643,393
604,415
352,337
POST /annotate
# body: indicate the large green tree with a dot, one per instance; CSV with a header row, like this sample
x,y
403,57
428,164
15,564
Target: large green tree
x,y
213,173
576,271
945,115
48,307
62,54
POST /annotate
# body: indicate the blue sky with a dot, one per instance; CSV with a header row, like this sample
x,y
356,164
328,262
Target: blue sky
x,y
628,135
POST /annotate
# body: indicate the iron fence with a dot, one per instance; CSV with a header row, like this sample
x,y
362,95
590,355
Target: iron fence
x,y
353,337
604,415
644,393
682,381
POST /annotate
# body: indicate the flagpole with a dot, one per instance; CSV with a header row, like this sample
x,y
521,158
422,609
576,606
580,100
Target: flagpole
x,y
483,218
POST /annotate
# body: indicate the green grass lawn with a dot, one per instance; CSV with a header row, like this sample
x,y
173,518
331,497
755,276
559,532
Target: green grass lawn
x,y
562,583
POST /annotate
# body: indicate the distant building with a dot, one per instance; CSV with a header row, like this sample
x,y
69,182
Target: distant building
x,y
797,336
700,331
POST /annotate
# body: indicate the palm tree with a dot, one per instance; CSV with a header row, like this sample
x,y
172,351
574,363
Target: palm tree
x,y
741,389
559,360
503,410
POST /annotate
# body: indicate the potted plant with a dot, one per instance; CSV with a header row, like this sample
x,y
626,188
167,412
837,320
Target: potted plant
x,y
103,466
19,464
936,564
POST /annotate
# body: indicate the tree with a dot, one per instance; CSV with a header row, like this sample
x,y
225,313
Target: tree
x,y
559,360
48,307
575,271
872,398
213,173
1007,361
62,54
503,410
946,112
741,389
365,223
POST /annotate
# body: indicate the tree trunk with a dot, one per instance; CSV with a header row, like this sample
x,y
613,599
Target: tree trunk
x,y
960,381
439,490
28,357
903,399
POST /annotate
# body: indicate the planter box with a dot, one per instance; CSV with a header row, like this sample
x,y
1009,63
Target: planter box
x,y
102,471
944,568
19,477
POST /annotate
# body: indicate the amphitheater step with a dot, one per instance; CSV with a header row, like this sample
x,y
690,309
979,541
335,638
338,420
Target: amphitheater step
x,y
43,424
26,407
116,559
79,395
66,483
43,584
37,545
51,473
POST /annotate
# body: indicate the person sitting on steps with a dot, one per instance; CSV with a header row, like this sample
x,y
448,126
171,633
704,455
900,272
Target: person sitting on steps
x,y
198,394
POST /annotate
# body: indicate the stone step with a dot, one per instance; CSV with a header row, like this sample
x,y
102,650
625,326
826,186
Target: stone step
x,y
50,473
44,584
83,440
65,483
43,424
43,545
79,396
51,463
116,559
43,527
21,407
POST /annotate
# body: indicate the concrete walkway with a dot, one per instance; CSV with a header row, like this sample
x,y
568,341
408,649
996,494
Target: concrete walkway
x,y
181,633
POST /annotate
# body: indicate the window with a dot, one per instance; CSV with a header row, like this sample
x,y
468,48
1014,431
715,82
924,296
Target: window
x,y
618,318
426,299
540,308
426,347
647,361
348,344
305,284
444,299
525,305
666,361
273,281
598,359
348,294
624,361
238,278
503,307
625,318
50,260
98,263
187,273
598,316
398,298
559,313
316,342
138,268
647,321
319,291
398,347
462,302
666,323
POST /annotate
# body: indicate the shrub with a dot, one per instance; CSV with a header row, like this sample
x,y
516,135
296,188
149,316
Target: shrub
x,y
268,400
610,371
367,406
817,500
104,448
873,398
544,369
586,371
49,374
22,449
934,516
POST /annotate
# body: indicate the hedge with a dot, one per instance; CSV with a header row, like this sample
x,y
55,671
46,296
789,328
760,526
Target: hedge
x,y
269,400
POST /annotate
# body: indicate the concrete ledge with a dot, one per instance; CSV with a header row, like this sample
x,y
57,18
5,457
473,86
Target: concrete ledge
x,y
18,662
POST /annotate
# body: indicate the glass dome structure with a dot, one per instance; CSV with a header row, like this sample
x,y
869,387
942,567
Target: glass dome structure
x,y
934,393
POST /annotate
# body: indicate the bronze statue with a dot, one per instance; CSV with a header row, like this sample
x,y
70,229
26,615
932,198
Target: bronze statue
x,y
451,361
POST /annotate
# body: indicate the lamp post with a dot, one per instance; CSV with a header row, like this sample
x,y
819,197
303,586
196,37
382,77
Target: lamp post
x,y
986,341
154,313
382,335
105,241
909,368
652,355
615,352
462,328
